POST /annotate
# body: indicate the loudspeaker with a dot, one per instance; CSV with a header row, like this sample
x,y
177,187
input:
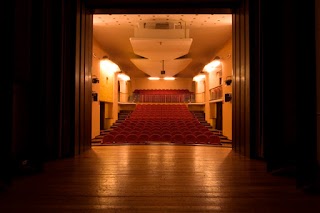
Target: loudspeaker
x,y
227,97
228,81
95,80
95,96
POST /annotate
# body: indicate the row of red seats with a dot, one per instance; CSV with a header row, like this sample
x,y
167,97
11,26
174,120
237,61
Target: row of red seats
x,y
163,98
144,138
149,122
162,92
151,130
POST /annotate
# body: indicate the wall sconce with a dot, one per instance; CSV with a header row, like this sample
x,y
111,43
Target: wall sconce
x,y
123,77
95,79
199,77
212,65
108,65
228,80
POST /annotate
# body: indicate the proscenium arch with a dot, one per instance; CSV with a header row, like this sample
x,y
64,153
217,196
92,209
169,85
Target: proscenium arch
x,y
245,130
49,55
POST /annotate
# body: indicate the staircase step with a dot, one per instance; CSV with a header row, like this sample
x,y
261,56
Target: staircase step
x,y
225,141
103,133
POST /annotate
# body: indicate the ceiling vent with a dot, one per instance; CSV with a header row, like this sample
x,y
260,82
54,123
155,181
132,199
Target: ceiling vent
x,y
162,25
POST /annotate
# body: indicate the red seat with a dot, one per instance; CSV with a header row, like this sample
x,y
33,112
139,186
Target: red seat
x,y
132,138
120,138
107,139
143,138
166,137
178,139
155,137
208,133
202,139
214,139
190,138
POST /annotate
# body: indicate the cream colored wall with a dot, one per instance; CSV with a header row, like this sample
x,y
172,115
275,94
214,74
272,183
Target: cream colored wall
x,y
144,83
200,91
226,59
225,54
95,126
108,115
213,78
104,88
123,91
115,108
107,88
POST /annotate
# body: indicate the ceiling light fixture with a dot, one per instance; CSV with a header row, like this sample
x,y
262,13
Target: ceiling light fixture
x,y
169,78
153,78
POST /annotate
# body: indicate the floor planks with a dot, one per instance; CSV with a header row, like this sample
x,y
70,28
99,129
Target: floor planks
x,y
156,178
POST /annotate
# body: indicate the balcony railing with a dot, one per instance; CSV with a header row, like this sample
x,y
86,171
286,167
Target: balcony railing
x,y
216,93
161,98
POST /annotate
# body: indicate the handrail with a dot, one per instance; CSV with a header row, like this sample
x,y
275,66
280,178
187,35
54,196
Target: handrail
x,y
162,98
216,93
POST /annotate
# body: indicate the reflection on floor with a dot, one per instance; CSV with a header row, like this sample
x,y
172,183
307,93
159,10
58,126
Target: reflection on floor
x,y
156,178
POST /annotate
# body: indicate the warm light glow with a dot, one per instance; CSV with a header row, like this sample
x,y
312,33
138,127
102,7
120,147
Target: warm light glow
x,y
212,65
107,65
169,78
123,77
153,78
199,77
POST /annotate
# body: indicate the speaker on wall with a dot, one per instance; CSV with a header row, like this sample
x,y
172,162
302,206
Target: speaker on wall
x,y
227,97
95,96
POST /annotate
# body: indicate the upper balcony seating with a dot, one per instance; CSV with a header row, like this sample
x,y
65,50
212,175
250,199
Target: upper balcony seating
x,y
162,96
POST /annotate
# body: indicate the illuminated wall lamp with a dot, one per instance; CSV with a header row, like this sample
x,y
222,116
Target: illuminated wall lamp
x,y
212,65
123,77
108,65
199,77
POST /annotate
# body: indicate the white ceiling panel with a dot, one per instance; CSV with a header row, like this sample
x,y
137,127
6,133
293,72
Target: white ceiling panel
x,y
154,67
161,49
208,32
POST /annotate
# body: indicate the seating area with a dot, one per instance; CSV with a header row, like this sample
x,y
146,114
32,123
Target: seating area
x,y
172,123
162,96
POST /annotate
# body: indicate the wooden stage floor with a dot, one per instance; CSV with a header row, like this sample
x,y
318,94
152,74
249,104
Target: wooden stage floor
x,y
154,179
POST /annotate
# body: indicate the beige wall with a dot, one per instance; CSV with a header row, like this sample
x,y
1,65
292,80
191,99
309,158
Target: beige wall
x,y
200,87
225,54
226,59
104,89
123,96
95,127
213,77
144,83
